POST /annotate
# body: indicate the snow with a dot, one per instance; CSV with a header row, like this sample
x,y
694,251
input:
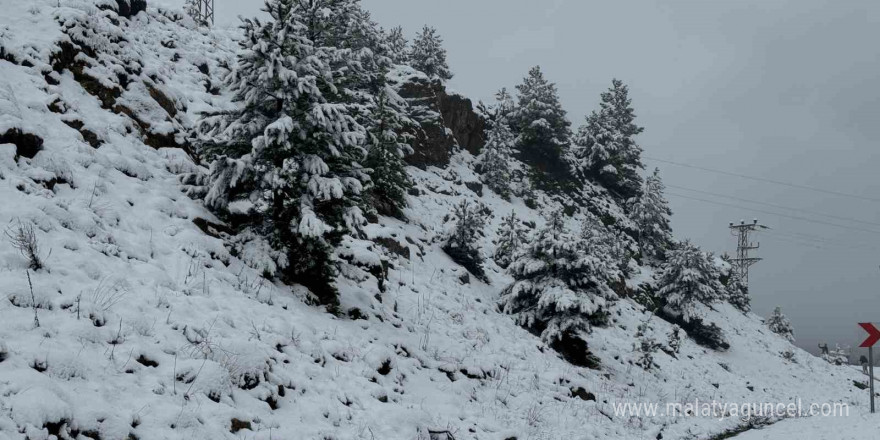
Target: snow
x,y
150,327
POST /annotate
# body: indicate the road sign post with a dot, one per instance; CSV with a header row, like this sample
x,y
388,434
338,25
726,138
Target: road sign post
x,y
871,373
873,337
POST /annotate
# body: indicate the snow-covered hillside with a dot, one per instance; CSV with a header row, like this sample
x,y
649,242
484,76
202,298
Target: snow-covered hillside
x,y
149,328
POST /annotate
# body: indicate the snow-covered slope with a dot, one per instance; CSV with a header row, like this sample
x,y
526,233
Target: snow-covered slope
x,y
149,328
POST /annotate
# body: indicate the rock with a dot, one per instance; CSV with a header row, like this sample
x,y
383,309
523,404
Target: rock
x,y
476,187
215,230
89,136
468,128
130,8
583,394
26,144
393,246
444,120
162,99
238,425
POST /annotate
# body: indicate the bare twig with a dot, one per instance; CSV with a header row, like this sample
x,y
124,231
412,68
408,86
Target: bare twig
x,y
33,299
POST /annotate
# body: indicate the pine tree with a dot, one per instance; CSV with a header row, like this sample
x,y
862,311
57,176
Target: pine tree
x,y
605,147
688,278
428,55
289,156
540,123
398,46
504,106
607,242
737,294
462,244
674,339
651,213
390,181
192,8
495,160
780,325
511,238
561,285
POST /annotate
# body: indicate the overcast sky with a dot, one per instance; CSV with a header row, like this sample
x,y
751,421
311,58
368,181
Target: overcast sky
x,y
787,90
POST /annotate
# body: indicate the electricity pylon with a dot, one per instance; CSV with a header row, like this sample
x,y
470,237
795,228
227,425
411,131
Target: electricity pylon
x,y
743,259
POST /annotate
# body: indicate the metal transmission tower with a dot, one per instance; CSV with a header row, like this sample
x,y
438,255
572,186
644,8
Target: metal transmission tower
x,y
743,261
202,11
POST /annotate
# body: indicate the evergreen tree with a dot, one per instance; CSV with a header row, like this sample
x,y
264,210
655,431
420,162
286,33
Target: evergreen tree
x,y
390,181
495,160
504,106
191,7
511,237
289,156
605,147
651,213
780,325
607,242
737,294
687,278
462,245
540,123
397,46
561,285
674,340
428,55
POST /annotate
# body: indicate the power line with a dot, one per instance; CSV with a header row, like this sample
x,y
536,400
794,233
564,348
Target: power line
x,y
852,228
765,180
772,205
817,241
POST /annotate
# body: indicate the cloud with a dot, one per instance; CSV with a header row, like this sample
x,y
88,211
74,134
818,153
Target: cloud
x,y
522,41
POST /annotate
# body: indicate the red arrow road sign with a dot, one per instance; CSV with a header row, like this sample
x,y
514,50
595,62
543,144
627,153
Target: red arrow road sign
x,y
873,334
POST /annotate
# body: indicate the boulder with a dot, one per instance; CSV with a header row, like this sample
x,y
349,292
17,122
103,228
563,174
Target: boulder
x,y
26,144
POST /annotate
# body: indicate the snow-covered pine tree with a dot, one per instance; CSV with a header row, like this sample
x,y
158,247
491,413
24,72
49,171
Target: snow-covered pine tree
x,y
650,212
737,293
390,181
688,278
779,324
192,8
462,244
428,55
288,157
398,46
605,147
495,159
540,124
607,242
511,238
560,288
504,106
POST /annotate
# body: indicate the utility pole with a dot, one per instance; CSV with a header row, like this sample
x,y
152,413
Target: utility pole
x,y
202,11
743,260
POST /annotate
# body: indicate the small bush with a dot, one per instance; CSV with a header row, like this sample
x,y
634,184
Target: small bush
x,y
463,242
24,239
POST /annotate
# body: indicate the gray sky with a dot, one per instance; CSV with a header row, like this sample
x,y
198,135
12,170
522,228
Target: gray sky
x,y
780,89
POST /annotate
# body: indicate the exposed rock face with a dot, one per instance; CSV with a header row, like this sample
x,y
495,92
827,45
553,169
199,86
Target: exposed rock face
x,y
468,127
444,120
